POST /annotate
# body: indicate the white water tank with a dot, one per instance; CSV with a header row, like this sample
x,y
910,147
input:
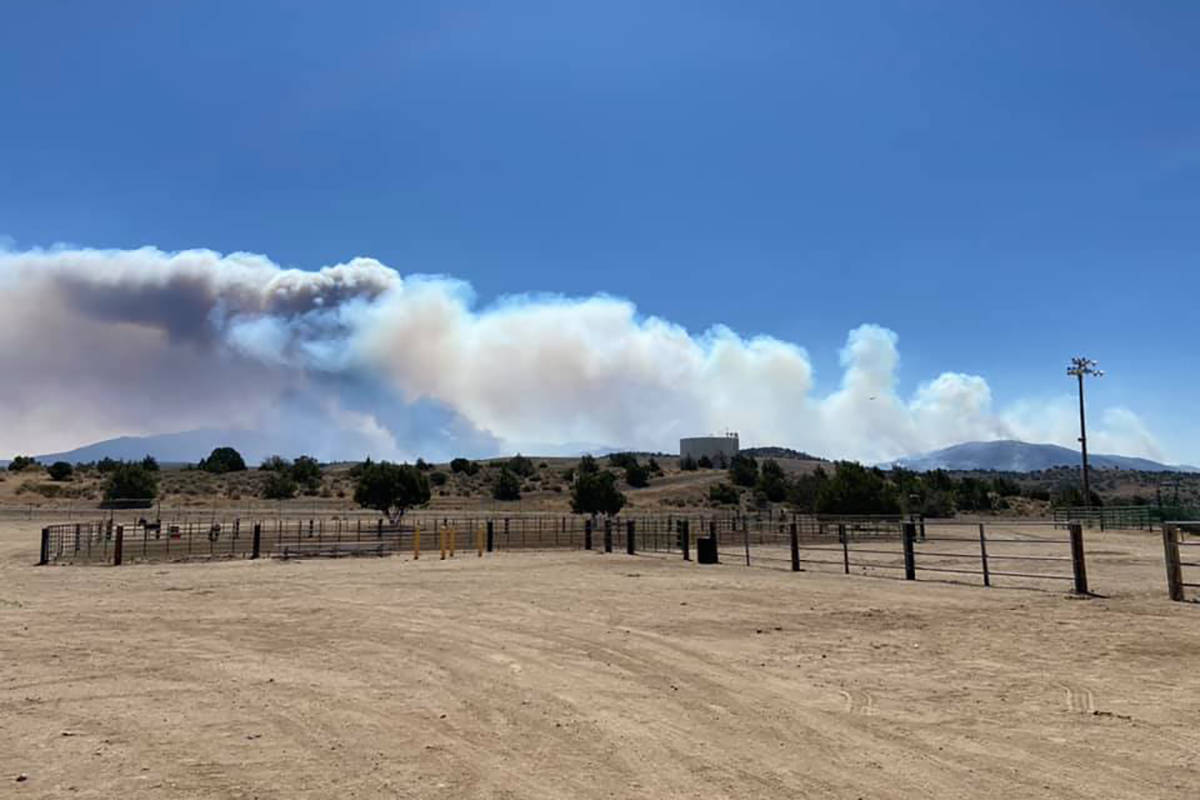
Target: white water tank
x,y
717,448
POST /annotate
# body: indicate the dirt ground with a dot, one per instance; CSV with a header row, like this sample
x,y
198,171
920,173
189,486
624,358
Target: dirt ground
x,y
572,674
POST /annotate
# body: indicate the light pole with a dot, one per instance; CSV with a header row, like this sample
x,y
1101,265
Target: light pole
x,y
1080,367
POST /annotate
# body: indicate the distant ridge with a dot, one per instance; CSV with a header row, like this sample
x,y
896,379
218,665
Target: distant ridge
x,y
780,452
1014,456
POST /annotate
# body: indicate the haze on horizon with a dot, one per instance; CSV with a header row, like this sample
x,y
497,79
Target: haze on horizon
x,y
448,229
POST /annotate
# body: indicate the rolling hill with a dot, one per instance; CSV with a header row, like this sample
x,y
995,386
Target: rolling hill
x,y
1014,456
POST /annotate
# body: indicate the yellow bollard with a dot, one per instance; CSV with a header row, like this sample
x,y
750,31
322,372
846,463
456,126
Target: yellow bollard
x,y
416,542
453,534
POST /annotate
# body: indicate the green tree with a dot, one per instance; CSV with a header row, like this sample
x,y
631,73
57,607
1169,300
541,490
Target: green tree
x,y
107,465
507,485
60,471
222,460
275,464
20,462
704,463
130,486
279,486
637,475
772,481
855,489
588,465
438,478
655,468
150,463
391,489
688,464
424,465
804,491
521,465
622,460
743,470
597,493
464,466
306,471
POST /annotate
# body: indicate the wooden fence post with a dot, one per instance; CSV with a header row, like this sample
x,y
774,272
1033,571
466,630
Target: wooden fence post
x,y
987,578
119,546
491,535
1174,568
746,539
416,541
587,534
44,556
630,546
684,542
845,540
1078,564
795,548
256,541
608,536
910,557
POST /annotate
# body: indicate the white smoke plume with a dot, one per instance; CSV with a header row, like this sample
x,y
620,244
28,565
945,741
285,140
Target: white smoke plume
x,y
355,359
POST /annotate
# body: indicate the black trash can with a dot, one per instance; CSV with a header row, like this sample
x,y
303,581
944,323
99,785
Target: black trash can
x,y
706,550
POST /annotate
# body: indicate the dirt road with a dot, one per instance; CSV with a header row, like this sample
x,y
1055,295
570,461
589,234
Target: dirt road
x,y
555,675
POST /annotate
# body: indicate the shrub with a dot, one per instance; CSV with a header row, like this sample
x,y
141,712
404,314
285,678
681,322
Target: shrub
x,y
424,465
391,489
855,489
464,466
107,465
438,478
654,468
507,485
275,464
520,465
637,476
60,471
306,471
743,470
688,464
724,494
587,465
622,460
130,486
772,482
279,486
222,460
704,463
20,462
597,493
150,463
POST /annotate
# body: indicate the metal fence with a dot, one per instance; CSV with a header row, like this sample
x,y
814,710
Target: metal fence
x,y
1143,518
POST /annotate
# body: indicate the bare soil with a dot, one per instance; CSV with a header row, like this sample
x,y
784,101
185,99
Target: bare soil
x,y
553,675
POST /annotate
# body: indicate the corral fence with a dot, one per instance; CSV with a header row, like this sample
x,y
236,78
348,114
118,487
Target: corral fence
x,y
911,548
1181,551
1141,518
1014,555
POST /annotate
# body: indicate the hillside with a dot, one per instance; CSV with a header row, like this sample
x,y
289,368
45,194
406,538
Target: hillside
x,y
1015,456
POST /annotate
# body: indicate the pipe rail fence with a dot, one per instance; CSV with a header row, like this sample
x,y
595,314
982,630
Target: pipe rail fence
x,y
862,545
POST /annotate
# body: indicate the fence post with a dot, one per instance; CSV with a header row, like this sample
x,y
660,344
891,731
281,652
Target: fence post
x,y
795,548
922,521
987,578
608,538
491,535
910,558
746,539
684,543
256,542
845,548
1174,568
119,546
630,546
44,556
587,534
1078,564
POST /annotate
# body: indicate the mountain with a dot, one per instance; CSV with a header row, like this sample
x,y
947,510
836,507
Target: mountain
x,y
1014,456
183,447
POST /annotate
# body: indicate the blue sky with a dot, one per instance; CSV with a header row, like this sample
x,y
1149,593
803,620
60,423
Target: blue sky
x,y
1002,184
